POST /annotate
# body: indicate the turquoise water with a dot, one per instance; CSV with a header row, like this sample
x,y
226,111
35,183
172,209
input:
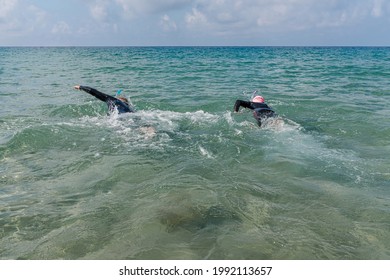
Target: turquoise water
x,y
184,177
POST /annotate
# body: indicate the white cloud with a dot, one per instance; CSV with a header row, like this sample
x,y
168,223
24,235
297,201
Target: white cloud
x,y
61,27
103,10
229,20
240,16
17,18
99,10
7,20
377,9
152,6
167,23
281,14
6,7
196,18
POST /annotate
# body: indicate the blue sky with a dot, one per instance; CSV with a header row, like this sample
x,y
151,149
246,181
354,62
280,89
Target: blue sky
x,y
194,22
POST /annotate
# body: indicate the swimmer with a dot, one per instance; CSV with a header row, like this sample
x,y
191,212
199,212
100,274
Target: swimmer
x,y
257,103
120,103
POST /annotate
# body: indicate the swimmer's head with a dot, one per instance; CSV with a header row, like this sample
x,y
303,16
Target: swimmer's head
x,y
123,99
258,99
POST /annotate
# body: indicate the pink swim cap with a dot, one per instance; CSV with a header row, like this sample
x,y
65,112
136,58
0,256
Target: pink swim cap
x,y
258,99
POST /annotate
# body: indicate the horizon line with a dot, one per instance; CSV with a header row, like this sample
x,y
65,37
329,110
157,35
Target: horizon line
x,y
194,46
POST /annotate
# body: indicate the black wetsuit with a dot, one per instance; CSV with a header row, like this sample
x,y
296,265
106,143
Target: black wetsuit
x,y
249,104
260,110
112,102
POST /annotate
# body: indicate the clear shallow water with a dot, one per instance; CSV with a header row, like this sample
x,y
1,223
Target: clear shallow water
x,y
184,177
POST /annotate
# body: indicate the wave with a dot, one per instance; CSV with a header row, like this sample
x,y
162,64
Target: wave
x,y
201,135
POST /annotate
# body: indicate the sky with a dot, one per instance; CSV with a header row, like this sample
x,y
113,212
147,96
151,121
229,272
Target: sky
x,y
194,22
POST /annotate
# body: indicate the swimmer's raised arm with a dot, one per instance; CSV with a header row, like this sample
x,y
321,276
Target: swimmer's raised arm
x,y
94,92
120,103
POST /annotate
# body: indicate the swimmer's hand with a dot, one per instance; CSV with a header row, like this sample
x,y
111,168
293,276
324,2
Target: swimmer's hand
x,y
77,87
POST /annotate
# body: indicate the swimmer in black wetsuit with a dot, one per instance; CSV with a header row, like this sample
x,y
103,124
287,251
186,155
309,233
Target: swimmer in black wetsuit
x,y
114,103
260,109
256,102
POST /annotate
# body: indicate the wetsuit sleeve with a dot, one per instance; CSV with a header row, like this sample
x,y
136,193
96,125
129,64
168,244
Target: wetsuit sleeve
x,y
242,103
99,95
111,101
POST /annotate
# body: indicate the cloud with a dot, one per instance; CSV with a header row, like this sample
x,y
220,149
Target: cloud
x,y
7,6
224,20
196,18
99,10
377,9
152,6
61,27
103,10
7,21
121,12
19,18
258,15
167,23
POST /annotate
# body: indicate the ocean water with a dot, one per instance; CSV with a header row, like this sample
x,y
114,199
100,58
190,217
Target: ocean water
x,y
184,177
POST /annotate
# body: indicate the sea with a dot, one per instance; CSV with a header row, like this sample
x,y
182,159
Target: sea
x,y
185,177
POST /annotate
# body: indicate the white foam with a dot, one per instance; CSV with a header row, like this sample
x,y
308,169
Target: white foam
x,y
280,125
205,152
